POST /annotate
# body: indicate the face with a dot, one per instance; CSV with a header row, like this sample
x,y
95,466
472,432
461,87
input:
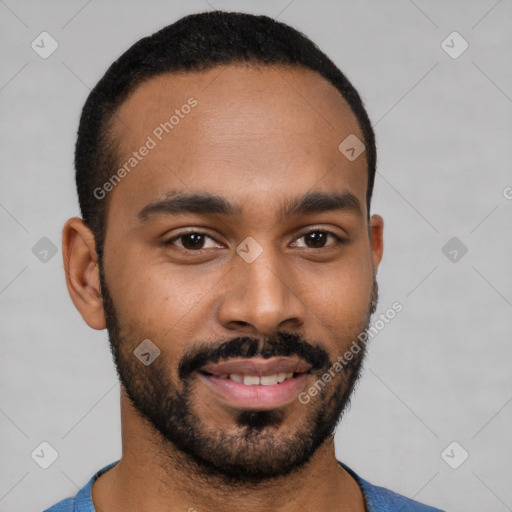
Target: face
x,y
239,244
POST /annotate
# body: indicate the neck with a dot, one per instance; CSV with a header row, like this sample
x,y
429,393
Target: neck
x,y
153,476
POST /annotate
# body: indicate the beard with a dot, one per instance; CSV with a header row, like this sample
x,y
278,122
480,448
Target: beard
x,y
259,444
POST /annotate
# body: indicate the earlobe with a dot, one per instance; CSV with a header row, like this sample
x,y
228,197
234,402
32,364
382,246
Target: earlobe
x,y
376,228
82,272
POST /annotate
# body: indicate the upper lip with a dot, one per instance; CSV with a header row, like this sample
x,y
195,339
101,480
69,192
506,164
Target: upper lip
x,y
257,366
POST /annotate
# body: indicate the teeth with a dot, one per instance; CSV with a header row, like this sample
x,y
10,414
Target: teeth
x,y
251,380
268,380
254,380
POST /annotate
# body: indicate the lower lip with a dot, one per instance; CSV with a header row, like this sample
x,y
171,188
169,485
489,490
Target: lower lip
x,y
258,396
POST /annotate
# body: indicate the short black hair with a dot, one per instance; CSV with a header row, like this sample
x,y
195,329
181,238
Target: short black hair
x,y
196,42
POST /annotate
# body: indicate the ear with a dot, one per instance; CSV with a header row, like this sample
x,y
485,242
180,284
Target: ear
x,y
376,230
82,272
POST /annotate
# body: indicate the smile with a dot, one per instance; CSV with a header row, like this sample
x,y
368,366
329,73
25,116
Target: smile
x,y
256,383
256,380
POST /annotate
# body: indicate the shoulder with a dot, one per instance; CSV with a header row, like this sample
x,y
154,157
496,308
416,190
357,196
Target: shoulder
x,y
82,502
67,505
380,499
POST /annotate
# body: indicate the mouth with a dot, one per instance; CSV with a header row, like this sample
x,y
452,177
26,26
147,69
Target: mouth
x,y
256,383
255,380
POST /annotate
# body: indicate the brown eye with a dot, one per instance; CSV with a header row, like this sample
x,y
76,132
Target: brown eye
x,y
192,241
318,239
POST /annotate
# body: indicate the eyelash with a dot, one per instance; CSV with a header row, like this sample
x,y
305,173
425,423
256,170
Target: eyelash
x,y
339,240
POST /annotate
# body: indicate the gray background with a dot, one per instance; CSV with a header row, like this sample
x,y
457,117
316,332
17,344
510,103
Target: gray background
x,y
438,373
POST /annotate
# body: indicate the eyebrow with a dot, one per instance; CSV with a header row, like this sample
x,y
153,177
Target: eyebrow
x,y
178,202
317,202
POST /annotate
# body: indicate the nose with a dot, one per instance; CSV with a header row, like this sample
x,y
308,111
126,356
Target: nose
x,y
262,297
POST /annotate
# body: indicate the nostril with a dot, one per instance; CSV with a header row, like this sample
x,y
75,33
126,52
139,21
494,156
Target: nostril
x,y
240,322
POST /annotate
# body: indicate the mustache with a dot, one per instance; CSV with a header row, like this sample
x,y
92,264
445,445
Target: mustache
x,y
280,344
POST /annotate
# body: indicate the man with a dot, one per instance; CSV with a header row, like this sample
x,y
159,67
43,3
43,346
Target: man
x,y
225,170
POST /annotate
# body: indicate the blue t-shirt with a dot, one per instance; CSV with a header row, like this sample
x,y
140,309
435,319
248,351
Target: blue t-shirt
x,y
378,499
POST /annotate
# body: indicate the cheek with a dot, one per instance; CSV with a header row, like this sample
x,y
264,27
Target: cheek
x,y
168,302
342,289
339,299
163,302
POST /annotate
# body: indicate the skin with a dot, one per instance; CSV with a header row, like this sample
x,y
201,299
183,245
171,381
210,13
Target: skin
x,y
258,136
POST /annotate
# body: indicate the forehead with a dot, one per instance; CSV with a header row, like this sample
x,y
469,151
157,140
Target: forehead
x,y
246,131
